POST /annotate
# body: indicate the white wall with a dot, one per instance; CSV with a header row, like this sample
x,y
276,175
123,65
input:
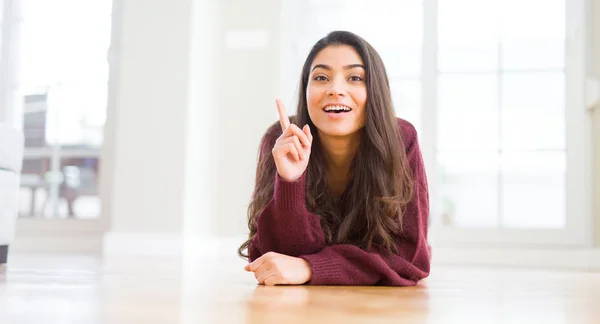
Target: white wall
x,y
144,178
189,106
249,84
596,115
10,96
151,109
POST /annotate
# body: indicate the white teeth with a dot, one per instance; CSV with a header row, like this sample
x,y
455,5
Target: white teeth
x,y
337,108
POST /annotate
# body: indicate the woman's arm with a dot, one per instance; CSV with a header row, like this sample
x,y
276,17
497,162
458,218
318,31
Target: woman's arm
x,y
285,225
350,265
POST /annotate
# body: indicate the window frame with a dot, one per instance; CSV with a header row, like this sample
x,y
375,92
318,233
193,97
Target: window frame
x,y
77,235
578,185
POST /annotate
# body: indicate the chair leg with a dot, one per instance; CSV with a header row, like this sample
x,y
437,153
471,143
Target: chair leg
x,y
3,253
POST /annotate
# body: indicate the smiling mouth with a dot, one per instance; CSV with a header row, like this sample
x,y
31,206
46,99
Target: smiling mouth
x,y
337,109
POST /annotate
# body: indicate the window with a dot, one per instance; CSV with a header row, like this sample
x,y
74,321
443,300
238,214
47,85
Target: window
x,y
501,113
496,100
64,80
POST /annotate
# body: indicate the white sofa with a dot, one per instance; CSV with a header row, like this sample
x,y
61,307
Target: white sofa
x,y
11,159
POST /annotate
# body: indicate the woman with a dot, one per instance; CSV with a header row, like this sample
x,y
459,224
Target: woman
x,y
342,198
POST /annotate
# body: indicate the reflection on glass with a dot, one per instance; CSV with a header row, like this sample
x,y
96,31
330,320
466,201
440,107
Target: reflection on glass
x,y
516,19
501,91
35,185
406,95
533,111
403,61
467,112
79,197
464,21
533,189
488,35
533,54
468,35
527,45
467,191
468,57
72,192
76,114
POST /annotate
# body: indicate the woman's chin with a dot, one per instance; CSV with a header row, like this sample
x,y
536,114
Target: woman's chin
x,y
337,131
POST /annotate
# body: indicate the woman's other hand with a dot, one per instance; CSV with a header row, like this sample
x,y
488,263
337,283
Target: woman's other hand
x,y
279,269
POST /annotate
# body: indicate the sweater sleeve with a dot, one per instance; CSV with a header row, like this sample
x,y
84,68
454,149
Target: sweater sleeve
x,y
346,264
285,225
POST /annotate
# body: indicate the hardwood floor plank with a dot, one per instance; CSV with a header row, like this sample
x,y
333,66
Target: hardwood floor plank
x,y
45,288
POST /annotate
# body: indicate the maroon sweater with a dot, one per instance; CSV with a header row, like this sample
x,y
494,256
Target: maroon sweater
x,y
287,227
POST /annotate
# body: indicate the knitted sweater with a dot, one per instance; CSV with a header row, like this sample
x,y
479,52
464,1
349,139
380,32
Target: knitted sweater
x,y
286,226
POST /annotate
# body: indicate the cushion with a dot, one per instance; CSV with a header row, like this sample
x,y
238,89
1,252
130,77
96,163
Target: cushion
x,y
11,148
9,191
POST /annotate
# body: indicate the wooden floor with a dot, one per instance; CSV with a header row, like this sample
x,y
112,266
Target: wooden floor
x,y
44,288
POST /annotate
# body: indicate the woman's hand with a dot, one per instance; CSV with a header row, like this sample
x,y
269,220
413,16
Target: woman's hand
x,y
292,149
279,269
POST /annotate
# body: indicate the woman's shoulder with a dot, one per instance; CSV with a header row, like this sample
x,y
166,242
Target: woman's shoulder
x,y
407,131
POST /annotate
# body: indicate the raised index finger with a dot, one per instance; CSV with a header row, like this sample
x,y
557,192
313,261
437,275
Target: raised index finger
x,y
283,117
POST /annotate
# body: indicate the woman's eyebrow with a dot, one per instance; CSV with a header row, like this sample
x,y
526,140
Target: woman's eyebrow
x,y
347,67
352,66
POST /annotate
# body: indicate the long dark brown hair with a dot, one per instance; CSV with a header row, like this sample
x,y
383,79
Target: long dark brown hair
x,y
369,211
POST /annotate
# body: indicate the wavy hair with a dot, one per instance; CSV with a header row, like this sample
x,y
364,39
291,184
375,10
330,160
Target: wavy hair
x,y
369,211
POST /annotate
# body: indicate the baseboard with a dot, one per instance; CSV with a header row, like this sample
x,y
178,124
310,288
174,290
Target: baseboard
x,y
3,253
86,243
555,258
159,244
58,235
175,245
149,244
156,244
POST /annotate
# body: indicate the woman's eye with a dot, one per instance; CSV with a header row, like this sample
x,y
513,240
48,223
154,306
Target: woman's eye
x,y
320,78
356,78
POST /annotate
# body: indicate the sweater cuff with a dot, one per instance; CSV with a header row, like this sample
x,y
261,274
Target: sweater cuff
x,y
290,195
325,269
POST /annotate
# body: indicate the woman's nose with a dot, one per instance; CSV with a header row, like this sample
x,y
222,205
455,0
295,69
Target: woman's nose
x,y
336,88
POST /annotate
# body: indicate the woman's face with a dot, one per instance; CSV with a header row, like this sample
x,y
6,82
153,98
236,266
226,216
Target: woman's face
x,y
337,93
